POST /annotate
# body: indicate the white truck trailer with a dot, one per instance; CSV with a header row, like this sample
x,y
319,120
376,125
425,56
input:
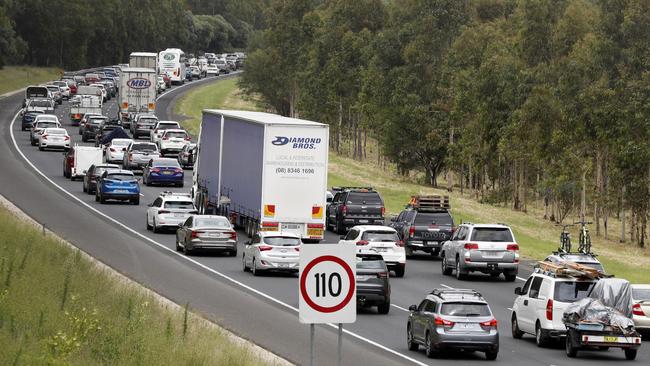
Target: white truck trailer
x,y
147,60
137,93
263,171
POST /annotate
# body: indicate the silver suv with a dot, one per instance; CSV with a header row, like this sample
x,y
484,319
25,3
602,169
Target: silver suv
x,y
453,319
486,248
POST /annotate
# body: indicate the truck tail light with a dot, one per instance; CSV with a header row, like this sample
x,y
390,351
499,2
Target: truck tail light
x,y
383,210
636,310
344,210
363,242
444,322
471,246
549,309
411,231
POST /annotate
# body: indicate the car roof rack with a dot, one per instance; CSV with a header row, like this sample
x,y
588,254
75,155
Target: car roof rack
x,y
455,291
429,203
561,253
568,269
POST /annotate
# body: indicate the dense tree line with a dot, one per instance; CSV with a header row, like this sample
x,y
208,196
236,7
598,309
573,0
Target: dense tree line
x,y
511,100
79,33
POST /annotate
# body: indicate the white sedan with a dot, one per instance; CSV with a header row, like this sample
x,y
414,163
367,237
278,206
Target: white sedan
x,y
54,138
115,150
212,70
383,240
272,251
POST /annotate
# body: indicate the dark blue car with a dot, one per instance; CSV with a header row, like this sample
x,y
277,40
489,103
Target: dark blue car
x,y
118,184
163,171
28,119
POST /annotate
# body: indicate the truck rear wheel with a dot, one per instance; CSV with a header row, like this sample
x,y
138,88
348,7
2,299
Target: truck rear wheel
x,y
340,228
630,354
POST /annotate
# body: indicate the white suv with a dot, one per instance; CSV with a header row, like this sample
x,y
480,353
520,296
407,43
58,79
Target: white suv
x,y
540,305
169,210
160,128
383,240
172,141
486,248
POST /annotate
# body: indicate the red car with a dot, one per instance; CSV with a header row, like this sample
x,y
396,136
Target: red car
x,y
168,81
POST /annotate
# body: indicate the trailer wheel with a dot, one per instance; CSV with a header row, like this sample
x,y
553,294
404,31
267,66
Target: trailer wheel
x,y
630,354
571,350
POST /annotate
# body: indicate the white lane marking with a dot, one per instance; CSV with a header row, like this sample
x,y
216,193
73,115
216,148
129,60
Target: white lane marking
x,y
172,251
446,286
399,307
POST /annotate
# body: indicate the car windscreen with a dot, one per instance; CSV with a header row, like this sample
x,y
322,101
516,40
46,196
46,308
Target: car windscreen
x,y
370,264
188,205
147,120
281,241
120,177
464,309
639,294
570,291
144,147
40,103
368,198
211,222
429,218
375,236
166,163
174,134
491,234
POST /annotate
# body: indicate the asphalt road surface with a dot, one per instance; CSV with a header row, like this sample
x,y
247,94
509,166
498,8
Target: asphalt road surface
x,y
262,309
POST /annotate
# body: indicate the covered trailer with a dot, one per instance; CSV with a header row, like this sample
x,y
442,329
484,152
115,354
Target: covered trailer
x,y
263,171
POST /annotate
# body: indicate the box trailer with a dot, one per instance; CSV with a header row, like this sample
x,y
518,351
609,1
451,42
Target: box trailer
x,y
137,93
147,60
263,171
82,158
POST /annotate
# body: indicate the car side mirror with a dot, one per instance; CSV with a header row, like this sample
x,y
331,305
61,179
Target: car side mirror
x,y
342,237
84,172
413,308
517,290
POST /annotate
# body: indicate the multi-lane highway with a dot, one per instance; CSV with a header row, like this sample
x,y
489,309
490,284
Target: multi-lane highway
x,y
262,309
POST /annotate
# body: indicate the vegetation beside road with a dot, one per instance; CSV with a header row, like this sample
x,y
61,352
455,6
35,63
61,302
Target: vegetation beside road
x,y
222,94
17,77
59,308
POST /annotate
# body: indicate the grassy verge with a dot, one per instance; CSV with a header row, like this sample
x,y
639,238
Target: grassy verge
x,y
59,308
16,77
537,237
223,94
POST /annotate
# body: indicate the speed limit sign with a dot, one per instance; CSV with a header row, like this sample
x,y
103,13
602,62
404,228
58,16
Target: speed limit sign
x,y
327,285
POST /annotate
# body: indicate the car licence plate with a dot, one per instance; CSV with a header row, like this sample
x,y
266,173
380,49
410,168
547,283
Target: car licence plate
x,y
466,326
179,214
611,339
167,172
488,254
381,250
121,191
283,265
363,221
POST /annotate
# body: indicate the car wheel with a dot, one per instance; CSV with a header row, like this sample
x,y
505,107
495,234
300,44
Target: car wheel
x,y
84,138
181,184
409,252
186,248
541,336
155,227
84,188
571,350
410,342
383,308
510,277
102,200
254,270
96,196
491,355
40,148
429,348
399,270
135,201
233,253
516,332
149,227
340,228
243,262
178,246
459,274
445,266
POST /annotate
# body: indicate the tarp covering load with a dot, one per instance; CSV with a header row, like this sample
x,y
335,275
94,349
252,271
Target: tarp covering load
x,y
608,304
117,133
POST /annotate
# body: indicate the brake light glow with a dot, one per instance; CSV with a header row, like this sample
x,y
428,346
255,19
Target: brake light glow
x,y
471,246
315,226
489,324
383,210
636,310
549,309
363,242
444,322
195,234
269,224
233,235
512,247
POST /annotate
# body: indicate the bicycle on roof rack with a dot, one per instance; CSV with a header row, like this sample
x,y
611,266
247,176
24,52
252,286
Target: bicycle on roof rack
x,y
584,242
565,239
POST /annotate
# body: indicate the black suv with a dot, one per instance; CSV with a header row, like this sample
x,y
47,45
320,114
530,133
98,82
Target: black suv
x,y
373,286
425,224
354,206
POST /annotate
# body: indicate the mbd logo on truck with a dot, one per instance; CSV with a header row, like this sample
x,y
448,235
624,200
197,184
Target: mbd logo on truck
x,y
138,83
309,143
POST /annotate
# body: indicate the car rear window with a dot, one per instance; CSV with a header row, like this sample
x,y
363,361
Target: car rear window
x,y
464,309
120,176
281,241
166,163
380,236
167,126
56,131
491,234
211,222
147,120
370,264
369,198
570,291
188,205
47,124
180,135
641,293
144,147
428,218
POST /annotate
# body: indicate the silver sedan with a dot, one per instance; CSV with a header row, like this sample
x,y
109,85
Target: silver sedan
x,y
206,232
272,252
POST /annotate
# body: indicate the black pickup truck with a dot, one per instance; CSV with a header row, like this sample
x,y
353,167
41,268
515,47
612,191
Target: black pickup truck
x,y
424,227
354,206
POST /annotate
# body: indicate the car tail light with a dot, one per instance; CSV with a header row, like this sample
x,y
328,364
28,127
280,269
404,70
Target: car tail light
x,y
165,138
188,138
178,170
162,212
512,247
363,242
297,249
66,138
471,246
492,323
636,310
383,210
382,275
44,136
195,234
155,170
400,243
233,235
264,248
411,231
112,149
344,210
549,309
444,322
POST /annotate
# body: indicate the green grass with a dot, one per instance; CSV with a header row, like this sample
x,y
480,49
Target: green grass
x,y
16,77
58,308
223,94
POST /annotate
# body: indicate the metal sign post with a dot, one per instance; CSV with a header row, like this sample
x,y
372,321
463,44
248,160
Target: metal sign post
x,y
340,346
312,329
